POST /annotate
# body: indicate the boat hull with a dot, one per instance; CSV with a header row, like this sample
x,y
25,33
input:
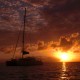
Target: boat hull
x,y
24,62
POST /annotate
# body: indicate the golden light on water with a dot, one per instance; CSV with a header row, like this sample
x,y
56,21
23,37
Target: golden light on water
x,y
64,56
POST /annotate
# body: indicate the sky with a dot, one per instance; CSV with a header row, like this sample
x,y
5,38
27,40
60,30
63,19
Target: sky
x,y
50,25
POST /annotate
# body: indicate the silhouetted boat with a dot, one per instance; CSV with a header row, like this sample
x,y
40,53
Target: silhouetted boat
x,y
28,61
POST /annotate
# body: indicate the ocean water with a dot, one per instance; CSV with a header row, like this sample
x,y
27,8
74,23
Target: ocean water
x,y
51,71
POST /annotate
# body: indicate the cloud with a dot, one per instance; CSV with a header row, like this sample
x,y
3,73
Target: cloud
x,y
65,43
12,15
7,50
41,48
41,45
63,16
69,42
75,35
9,19
47,20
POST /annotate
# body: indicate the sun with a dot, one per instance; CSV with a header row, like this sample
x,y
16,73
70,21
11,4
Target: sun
x,y
64,56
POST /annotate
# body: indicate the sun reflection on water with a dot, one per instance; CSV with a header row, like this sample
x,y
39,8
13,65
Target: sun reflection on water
x,y
63,66
63,74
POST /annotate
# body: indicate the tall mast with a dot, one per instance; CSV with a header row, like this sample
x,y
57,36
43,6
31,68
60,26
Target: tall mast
x,y
23,35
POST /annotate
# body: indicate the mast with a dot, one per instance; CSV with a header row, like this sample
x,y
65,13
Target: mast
x,y
23,35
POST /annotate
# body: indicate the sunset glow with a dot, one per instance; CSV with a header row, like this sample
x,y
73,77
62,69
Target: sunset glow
x,y
64,56
49,29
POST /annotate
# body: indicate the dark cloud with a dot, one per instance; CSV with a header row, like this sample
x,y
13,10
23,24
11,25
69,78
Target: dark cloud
x,y
12,15
65,44
41,45
47,20
69,42
63,17
48,17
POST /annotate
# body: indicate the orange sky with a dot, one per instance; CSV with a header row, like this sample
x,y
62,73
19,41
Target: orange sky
x,y
51,25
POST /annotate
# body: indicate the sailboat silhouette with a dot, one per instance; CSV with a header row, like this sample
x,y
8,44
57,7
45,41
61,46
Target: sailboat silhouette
x,y
28,61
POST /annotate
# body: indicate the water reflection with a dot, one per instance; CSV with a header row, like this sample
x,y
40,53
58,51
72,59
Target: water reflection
x,y
63,66
64,72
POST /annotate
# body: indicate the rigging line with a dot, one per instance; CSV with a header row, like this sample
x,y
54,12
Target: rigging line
x,y
19,37
16,45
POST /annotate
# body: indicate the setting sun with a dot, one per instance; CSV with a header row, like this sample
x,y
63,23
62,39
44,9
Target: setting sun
x,y
64,56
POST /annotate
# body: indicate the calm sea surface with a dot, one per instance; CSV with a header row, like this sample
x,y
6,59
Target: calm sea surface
x,y
54,71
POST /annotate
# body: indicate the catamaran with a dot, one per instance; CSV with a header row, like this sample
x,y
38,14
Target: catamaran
x,y
28,61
